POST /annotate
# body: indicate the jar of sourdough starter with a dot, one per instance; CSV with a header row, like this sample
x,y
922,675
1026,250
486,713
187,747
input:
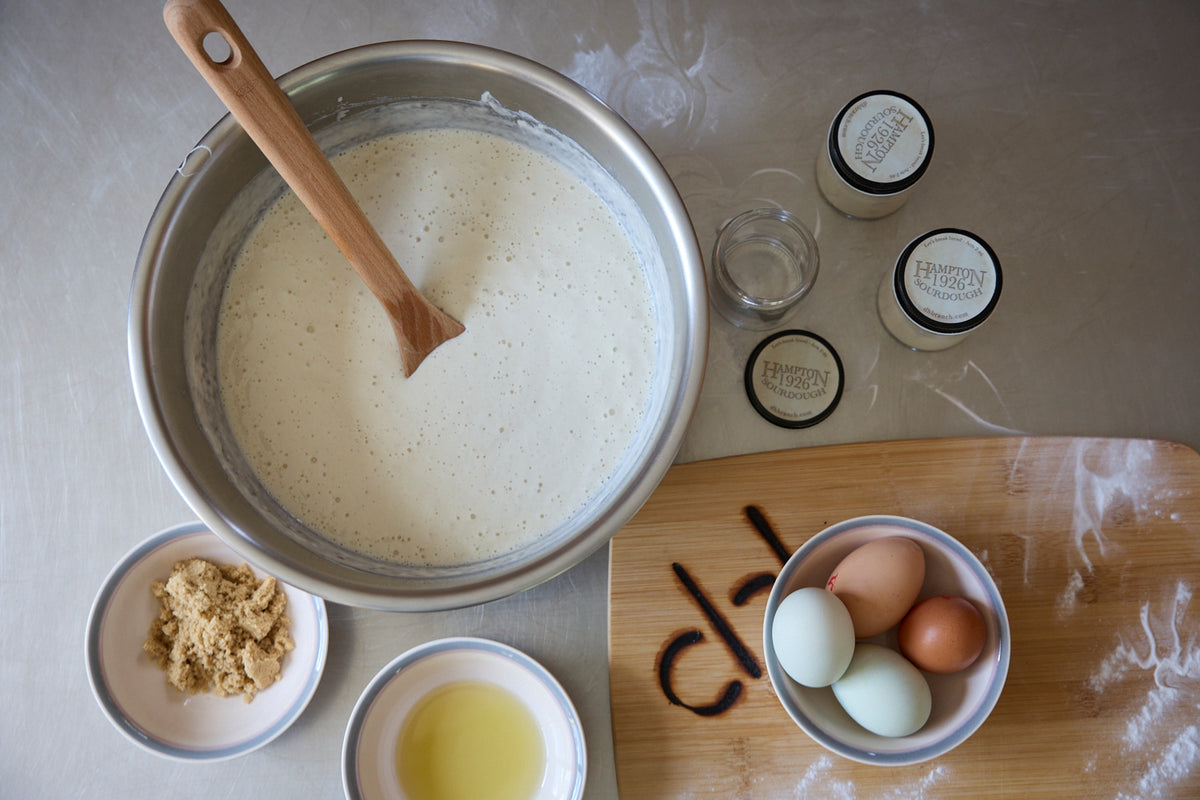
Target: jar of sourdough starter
x,y
944,285
879,146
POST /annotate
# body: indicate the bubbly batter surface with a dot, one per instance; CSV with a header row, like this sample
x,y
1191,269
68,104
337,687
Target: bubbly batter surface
x,y
504,431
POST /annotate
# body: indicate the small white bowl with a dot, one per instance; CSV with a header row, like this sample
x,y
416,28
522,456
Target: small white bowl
x,y
369,747
961,701
133,692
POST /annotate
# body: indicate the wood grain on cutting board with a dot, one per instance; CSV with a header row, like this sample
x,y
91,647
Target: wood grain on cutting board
x,y
1093,543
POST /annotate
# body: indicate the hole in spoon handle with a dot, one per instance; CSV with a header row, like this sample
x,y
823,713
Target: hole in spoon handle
x,y
209,37
217,48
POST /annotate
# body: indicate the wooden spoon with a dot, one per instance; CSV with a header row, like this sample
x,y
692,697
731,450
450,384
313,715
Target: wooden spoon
x,y
256,101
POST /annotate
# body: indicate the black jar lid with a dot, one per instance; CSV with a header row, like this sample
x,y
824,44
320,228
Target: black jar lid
x,y
877,105
794,379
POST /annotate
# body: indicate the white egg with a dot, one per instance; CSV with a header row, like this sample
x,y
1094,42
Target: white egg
x,y
813,636
883,692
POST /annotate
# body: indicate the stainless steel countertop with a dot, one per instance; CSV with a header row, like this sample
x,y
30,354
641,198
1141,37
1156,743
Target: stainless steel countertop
x,y
1066,137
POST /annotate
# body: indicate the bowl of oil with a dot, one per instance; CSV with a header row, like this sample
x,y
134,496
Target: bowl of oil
x,y
464,717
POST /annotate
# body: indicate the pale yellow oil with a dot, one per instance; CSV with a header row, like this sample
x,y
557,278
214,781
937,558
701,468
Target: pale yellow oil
x,y
470,740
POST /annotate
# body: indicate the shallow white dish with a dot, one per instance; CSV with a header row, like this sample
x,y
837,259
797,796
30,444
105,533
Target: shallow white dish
x,y
133,692
962,701
368,750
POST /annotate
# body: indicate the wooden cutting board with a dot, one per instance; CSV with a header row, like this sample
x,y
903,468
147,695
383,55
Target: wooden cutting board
x,y
1095,547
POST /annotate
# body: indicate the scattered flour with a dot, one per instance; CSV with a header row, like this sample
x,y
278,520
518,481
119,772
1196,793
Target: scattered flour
x,y
818,782
1107,475
1067,598
1158,753
1176,762
970,371
1112,473
1118,482
917,791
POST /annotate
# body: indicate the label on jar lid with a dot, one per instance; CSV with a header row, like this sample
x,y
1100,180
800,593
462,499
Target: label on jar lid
x,y
948,280
881,142
794,379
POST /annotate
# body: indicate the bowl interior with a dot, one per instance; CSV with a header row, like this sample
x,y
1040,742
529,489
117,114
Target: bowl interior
x,y
133,691
961,701
221,191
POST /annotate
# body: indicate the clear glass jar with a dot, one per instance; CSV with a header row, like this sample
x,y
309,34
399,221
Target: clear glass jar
x,y
764,261
879,146
944,285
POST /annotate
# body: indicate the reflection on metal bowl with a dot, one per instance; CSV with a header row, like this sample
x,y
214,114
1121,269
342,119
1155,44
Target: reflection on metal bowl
x,y
209,208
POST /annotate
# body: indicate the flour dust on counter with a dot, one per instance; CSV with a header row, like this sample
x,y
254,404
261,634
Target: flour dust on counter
x,y
1157,756
820,781
938,384
1114,482
1116,479
1153,666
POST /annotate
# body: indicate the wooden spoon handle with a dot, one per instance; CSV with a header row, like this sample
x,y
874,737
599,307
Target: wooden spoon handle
x,y
254,98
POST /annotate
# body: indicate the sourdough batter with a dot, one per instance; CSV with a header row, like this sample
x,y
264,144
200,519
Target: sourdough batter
x,y
504,431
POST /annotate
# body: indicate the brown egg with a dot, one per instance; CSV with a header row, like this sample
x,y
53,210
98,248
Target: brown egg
x,y
943,634
879,581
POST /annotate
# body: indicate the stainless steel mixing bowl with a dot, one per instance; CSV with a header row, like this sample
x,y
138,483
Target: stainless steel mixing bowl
x,y
211,204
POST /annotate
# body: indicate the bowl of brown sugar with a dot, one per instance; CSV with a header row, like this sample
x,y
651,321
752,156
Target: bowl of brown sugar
x,y
194,655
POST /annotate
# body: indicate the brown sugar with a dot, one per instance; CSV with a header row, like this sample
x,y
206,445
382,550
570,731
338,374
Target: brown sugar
x,y
219,629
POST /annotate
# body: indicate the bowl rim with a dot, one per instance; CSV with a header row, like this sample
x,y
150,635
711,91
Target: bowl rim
x,y
1002,657
347,585
239,741
451,649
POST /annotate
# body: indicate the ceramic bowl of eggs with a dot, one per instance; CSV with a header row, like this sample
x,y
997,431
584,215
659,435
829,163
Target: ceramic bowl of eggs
x,y
886,640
